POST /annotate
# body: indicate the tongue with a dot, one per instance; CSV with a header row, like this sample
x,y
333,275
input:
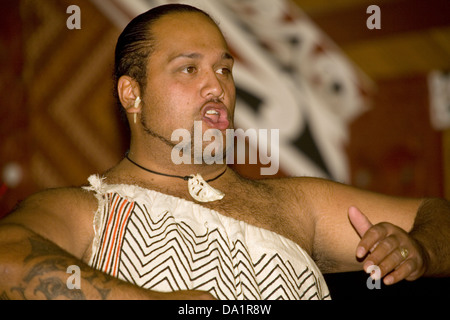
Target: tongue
x,y
216,121
213,117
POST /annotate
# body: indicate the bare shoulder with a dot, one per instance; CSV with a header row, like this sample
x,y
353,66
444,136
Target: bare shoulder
x,y
63,216
293,209
304,194
300,191
331,200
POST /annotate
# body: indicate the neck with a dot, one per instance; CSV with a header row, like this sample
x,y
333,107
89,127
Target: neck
x,y
198,188
160,161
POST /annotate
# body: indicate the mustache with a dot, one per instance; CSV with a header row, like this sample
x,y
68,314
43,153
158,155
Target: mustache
x,y
214,101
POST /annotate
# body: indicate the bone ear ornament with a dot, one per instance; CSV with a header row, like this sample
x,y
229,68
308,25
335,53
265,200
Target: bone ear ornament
x,y
137,102
201,191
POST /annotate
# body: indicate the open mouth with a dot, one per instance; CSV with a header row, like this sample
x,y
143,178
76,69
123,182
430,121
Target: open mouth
x,y
215,116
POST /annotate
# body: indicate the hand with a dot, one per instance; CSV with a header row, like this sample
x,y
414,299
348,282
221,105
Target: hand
x,y
382,245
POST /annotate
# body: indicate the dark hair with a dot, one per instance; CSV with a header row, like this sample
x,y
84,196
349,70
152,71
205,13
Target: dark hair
x,y
136,43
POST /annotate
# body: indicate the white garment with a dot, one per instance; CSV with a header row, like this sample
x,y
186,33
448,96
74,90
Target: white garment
x,y
165,243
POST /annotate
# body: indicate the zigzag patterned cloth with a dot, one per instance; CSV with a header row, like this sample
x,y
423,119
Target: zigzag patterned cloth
x,y
164,243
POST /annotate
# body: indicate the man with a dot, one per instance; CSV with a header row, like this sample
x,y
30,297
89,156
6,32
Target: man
x,y
139,232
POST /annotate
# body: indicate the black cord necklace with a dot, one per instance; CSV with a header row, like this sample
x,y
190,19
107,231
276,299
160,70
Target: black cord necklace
x,y
185,178
199,189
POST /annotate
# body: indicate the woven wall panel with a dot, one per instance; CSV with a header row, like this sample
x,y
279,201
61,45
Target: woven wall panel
x,y
67,127
67,72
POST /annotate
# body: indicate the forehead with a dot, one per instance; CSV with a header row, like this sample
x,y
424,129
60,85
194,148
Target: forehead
x,y
187,31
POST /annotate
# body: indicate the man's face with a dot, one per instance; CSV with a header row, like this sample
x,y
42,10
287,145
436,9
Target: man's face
x,y
188,77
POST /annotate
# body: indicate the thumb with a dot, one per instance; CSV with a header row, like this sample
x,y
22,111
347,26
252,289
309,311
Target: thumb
x,y
359,221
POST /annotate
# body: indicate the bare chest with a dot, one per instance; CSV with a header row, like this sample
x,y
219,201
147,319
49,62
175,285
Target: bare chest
x,y
267,207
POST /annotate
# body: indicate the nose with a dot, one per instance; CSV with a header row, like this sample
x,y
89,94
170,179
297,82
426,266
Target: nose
x,y
212,86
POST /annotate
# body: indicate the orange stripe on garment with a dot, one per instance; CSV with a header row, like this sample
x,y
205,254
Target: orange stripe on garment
x,y
122,228
113,235
111,215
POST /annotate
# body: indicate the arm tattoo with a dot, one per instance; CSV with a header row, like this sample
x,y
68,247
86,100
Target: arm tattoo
x,y
47,259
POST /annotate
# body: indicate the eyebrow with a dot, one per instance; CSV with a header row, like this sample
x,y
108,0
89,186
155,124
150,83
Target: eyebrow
x,y
195,55
227,56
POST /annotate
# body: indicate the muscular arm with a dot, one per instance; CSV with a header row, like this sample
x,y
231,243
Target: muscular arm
x,y
32,267
50,232
335,239
432,230
421,226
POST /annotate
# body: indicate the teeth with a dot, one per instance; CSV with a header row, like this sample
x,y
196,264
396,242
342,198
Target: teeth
x,y
212,112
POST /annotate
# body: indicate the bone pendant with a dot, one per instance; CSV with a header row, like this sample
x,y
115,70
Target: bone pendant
x,y
201,191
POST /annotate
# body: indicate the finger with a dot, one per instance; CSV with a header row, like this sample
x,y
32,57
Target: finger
x,y
370,234
359,221
404,271
370,242
383,247
390,260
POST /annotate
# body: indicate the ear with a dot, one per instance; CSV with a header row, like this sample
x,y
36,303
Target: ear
x,y
128,90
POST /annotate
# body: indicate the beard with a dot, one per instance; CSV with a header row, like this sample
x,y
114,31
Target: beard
x,y
154,134
216,150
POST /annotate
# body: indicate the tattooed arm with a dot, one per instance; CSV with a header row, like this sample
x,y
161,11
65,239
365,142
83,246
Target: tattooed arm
x,y
36,267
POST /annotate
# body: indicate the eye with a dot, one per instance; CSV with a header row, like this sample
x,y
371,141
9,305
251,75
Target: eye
x,y
189,70
224,71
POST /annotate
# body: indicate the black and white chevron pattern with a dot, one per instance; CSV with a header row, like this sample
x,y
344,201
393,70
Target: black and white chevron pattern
x,y
166,253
